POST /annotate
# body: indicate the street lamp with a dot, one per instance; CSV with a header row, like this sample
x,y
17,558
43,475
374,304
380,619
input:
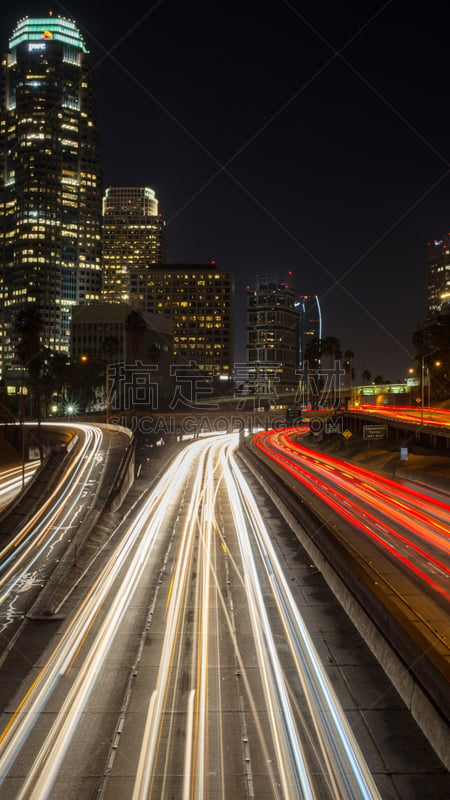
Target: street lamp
x,y
71,409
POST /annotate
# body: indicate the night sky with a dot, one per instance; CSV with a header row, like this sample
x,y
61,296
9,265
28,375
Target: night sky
x,y
285,136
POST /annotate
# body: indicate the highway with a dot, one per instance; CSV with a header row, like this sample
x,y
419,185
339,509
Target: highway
x,y
395,535
13,479
38,533
41,535
189,654
407,524
433,417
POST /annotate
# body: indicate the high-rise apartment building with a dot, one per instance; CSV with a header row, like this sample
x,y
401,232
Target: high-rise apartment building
x,y
200,301
50,179
133,239
272,335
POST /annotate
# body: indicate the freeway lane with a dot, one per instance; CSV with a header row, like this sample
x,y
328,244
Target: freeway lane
x,y
390,542
29,558
208,710
404,523
36,535
436,417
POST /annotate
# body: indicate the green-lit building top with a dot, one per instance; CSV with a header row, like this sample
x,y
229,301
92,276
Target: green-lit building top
x,y
46,29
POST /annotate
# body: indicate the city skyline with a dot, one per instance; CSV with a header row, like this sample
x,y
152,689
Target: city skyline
x,y
278,140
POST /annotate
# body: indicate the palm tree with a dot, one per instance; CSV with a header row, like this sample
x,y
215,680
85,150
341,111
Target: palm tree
x,y
310,380
366,375
330,346
348,366
311,356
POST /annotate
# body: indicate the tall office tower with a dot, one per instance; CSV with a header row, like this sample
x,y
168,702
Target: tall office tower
x,y
134,237
432,336
308,307
272,334
50,179
439,276
200,301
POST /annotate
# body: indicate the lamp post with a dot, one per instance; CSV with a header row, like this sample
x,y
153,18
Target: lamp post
x,y
436,364
422,385
422,378
22,427
107,393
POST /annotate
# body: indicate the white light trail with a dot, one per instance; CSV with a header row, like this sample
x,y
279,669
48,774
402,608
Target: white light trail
x,y
344,768
45,768
348,771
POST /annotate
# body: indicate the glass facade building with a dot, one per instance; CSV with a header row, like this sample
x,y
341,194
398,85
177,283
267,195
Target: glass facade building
x,y
50,179
272,335
134,237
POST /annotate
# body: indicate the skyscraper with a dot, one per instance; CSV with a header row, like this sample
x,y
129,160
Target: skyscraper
x,y
310,321
272,335
199,298
432,337
50,179
133,239
439,276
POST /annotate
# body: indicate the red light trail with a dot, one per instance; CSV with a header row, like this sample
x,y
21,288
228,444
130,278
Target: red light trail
x,y
408,525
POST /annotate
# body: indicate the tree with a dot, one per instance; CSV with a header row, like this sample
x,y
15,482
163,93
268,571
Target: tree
x,y
87,375
111,348
310,380
330,346
27,327
135,327
154,352
56,377
61,370
379,380
311,354
366,375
